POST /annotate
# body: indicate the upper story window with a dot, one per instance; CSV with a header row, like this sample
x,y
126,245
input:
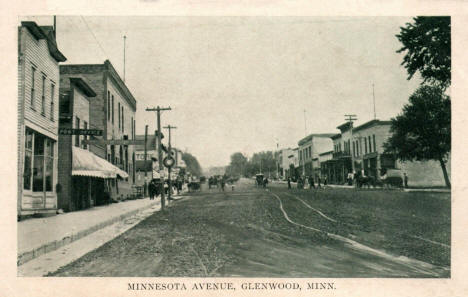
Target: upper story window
x,y
373,140
123,129
43,95
112,109
52,102
108,106
77,137
85,126
365,145
118,109
33,84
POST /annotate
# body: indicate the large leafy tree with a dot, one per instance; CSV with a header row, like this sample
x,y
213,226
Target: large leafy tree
x,y
238,164
422,131
192,164
427,47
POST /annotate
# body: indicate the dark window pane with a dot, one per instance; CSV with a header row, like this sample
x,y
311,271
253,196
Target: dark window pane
x,y
49,174
38,174
39,145
27,170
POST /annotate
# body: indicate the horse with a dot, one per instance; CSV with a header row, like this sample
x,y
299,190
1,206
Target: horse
x,y
365,180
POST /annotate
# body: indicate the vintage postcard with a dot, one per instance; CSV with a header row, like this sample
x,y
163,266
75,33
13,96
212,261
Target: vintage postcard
x,y
280,153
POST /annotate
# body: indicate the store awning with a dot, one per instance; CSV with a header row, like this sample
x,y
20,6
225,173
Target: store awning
x,y
86,163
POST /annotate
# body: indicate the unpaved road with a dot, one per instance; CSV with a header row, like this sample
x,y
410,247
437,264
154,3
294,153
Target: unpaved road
x,y
253,232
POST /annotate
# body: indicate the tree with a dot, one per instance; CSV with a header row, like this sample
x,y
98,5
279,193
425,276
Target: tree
x,y
237,165
422,131
427,44
192,164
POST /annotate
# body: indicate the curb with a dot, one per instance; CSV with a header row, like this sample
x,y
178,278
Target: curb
x,y
56,244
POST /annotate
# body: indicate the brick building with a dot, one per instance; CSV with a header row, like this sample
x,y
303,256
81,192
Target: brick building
x,y
38,79
85,179
113,111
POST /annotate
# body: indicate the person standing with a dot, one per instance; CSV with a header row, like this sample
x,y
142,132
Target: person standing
x,y
311,182
289,183
405,178
319,181
151,190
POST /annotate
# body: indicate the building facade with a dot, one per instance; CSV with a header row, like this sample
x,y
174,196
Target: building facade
x,y
38,83
113,111
361,150
309,149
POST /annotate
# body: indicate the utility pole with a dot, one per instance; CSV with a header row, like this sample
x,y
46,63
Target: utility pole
x,y
55,26
146,173
351,118
125,38
161,168
169,127
373,96
305,124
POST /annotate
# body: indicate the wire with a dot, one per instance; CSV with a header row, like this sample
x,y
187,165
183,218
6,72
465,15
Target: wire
x,y
92,33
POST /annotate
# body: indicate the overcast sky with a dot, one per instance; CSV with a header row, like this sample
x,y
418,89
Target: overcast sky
x,y
243,83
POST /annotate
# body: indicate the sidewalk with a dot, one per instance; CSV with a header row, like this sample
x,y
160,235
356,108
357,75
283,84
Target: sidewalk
x,y
38,236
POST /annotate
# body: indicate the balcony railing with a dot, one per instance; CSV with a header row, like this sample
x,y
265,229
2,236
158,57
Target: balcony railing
x,y
337,155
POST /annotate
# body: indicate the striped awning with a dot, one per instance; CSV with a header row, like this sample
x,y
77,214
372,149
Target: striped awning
x,y
86,163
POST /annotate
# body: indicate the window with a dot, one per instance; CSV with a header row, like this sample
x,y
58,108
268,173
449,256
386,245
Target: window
x,y
85,126
52,103
349,147
43,96
365,145
38,164
33,83
123,129
108,106
132,128
354,149
373,140
112,109
28,152
118,109
370,144
49,164
77,137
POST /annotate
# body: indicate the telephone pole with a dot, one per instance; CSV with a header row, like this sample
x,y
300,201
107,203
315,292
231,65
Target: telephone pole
x,y
124,38
146,174
373,97
351,118
169,127
161,168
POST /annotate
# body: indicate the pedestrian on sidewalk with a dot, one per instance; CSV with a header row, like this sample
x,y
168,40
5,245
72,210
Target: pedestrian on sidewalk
x,y
151,189
289,183
311,182
319,181
405,178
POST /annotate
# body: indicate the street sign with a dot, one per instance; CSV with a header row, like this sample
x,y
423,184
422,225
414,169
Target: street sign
x,y
168,161
70,131
114,142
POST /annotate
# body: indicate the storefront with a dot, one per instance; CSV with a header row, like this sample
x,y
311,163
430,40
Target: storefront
x,y
38,191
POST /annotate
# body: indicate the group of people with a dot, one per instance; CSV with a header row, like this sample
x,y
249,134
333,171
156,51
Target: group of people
x,y
154,187
220,182
301,181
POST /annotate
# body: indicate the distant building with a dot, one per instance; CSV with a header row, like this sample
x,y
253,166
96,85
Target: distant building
x,y
152,160
309,149
38,79
363,146
113,111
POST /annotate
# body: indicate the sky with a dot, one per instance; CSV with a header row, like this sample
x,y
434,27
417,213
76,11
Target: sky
x,y
243,83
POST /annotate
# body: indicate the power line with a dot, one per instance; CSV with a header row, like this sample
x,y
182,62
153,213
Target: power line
x,y
97,41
